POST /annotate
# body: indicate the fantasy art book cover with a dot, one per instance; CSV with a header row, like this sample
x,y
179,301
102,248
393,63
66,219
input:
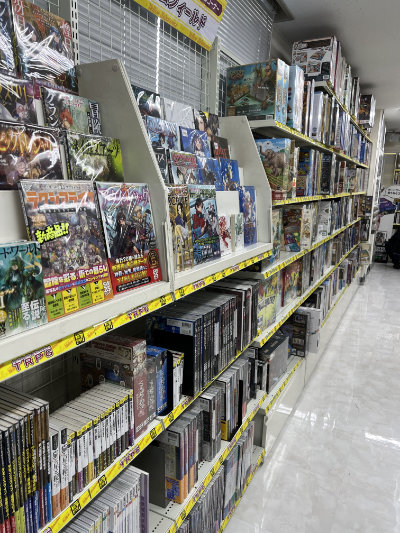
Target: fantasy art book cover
x,y
204,219
7,59
129,232
209,171
149,102
70,112
205,121
44,46
22,304
195,141
63,217
229,179
220,147
28,152
247,199
225,234
94,158
183,168
162,134
17,100
179,214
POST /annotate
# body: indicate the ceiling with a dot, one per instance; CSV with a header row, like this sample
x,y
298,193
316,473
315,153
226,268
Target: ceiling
x,y
370,37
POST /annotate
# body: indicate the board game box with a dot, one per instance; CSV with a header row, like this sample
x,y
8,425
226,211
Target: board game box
x,y
149,102
275,157
7,59
247,198
28,152
220,147
63,217
162,134
179,213
70,112
204,221
44,46
129,233
205,121
208,171
94,158
295,98
195,142
183,168
228,179
181,114
22,304
256,90
17,100
317,58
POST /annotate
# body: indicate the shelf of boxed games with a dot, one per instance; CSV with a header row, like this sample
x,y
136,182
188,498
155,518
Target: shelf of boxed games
x,y
272,127
291,308
304,199
327,87
287,258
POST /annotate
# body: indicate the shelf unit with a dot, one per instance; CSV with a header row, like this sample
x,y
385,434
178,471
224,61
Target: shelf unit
x,y
303,199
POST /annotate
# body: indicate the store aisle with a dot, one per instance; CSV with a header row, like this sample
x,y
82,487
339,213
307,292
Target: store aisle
x,y
336,467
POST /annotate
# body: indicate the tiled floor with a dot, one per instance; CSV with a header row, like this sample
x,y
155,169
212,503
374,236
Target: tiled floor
x,y
336,466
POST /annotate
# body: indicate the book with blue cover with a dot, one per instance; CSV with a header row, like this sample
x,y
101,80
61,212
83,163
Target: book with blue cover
x,y
162,134
229,179
247,198
195,141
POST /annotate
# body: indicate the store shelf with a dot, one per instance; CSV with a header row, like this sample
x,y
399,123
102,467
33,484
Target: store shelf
x,y
327,87
271,127
207,469
303,199
274,394
291,308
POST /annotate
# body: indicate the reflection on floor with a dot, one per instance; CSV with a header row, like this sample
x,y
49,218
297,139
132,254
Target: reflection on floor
x,y
336,466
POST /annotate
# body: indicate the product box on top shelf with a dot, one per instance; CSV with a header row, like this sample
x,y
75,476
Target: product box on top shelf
x,y
317,58
306,107
285,93
275,157
276,352
256,90
355,97
366,112
295,97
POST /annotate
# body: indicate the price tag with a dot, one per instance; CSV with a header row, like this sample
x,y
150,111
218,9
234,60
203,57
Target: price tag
x,y
75,507
79,337
102,482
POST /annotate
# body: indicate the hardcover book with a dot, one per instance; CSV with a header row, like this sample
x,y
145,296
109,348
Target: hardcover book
x,y
129,233
22,304
195,141
162,134
44,46
70,112
247,197
63,217
94,158
17,100
183,168
28,152
179,213
204,219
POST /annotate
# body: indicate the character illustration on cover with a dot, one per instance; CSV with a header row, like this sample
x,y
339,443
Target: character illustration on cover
x,y
133,233
200,225
198,145
264,84
181,226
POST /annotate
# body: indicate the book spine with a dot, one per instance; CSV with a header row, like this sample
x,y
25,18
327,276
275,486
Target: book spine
x,y
5,509
64,470
8,465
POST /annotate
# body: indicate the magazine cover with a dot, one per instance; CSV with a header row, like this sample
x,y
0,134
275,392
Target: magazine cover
x,y
7,59
220,147
21,288
70,112
44,45
149,102
179,214
229,179
195,141
247,198
162,160
183,168
181,114
17,100
28,152
225,234
204,220
129,232
63,217
209,172
205,121
162,134
94,158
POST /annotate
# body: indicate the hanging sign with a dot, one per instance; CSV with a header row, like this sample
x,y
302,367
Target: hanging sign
x,y
197,19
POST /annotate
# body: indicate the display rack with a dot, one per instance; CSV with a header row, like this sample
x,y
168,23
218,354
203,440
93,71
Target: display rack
x,y
270,127
303,199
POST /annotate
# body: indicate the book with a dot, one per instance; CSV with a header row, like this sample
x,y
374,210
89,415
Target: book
x,y
63,217
17,100
44,46
7,58
178,112
161,155
208,171
149,102
220,147
204,219
129,233
28,152
70,112
159,355
248,206
195,141
237,229
22,304
225,234
206,121
94,158
183,168
229,179
162,134
179,213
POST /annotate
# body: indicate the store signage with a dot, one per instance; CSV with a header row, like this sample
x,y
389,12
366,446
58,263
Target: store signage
x,y
197,19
